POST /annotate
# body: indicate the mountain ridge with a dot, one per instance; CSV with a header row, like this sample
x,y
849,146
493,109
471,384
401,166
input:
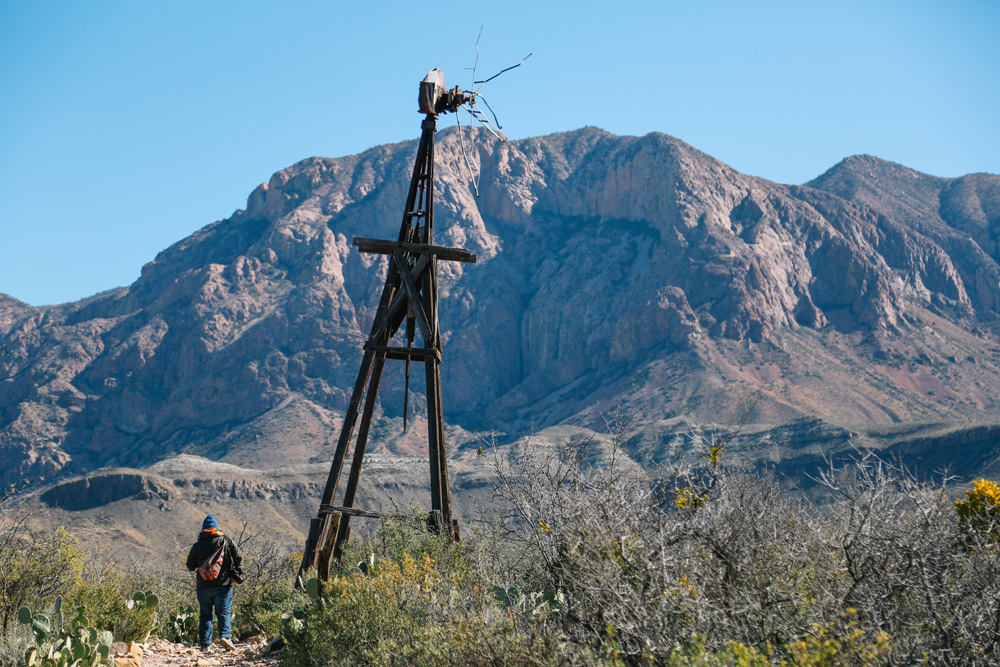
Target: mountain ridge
x,y
633,268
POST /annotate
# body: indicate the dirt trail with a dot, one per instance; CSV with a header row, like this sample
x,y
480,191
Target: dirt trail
x,y
161,653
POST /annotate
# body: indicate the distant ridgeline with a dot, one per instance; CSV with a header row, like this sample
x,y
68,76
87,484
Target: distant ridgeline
x,y
641,271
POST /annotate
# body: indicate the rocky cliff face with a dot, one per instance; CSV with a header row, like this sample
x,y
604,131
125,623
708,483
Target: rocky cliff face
x,y
632,269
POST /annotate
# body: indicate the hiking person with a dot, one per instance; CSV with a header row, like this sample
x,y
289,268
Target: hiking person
x,y
217,560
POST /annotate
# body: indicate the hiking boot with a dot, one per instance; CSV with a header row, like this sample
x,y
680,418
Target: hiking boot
x,y
227,644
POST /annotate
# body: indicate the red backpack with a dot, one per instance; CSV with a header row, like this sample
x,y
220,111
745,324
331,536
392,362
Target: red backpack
x,y
210,569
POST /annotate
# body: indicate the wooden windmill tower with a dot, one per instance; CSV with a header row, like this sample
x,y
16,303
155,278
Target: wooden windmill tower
x,y
409,305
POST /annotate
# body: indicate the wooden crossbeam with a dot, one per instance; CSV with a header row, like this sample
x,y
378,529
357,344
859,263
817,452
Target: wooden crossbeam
x,y
349,511
404,353
382,247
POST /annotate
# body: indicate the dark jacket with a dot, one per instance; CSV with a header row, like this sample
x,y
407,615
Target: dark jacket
x,y
204,548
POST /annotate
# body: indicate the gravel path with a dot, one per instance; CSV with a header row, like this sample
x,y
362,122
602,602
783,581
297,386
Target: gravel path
x,y
161,653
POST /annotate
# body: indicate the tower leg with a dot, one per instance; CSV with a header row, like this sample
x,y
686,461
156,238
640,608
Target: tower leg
x,y
320,536
359,454
440,494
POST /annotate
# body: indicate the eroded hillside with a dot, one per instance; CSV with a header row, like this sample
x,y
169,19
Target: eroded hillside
x,y
612,269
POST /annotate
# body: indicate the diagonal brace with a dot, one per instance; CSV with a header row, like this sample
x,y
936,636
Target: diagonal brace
x,y
413,293
399,298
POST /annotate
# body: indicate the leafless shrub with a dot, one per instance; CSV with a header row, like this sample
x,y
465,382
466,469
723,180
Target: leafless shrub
x,y
602,543
266,591
907,568
265,561
652,560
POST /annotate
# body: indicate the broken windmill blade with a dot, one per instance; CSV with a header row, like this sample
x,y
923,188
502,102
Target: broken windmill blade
x,y
408,305
468,101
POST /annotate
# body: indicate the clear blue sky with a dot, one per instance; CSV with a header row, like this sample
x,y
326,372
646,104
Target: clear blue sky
x,y
125,126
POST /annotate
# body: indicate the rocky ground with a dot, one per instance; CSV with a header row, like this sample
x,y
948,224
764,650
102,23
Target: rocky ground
x,y
253,652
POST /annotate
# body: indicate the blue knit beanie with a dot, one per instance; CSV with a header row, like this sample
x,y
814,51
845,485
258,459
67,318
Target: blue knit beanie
x,y
209,522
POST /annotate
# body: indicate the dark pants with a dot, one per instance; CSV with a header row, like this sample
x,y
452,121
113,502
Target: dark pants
x,y
221,599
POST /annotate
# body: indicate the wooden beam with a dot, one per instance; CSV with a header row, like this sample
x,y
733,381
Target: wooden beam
x,y
404,353
324,551
388,247
350,511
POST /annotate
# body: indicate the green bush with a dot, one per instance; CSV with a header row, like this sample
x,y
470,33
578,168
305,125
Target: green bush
x,y
112,600
35,568
258,608
407,612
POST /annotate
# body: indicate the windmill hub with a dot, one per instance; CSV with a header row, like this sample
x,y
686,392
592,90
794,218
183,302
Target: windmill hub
x,y
435,98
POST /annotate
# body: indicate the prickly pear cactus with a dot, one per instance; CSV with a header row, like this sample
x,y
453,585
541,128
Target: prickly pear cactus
x,y
181,625
40,625
147,600
79,645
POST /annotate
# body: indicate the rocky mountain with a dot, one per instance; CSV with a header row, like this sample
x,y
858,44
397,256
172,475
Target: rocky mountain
x,y
612,270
